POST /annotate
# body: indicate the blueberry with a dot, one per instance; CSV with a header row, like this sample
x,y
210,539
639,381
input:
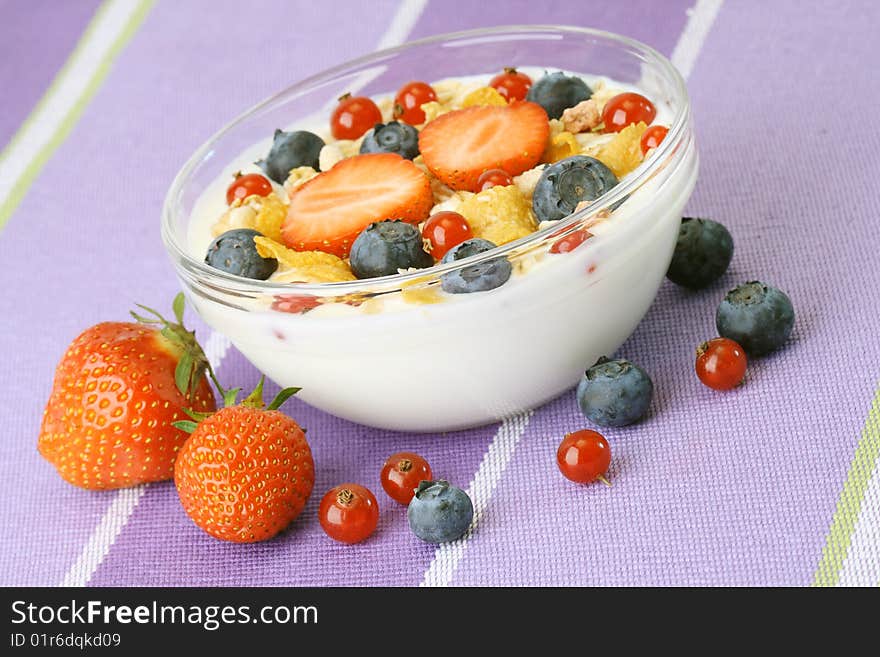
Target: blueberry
x,y
439,512
556,92
614,393
757,316
386,246
702,253
235,253
289,151
479,277
393,137
568,182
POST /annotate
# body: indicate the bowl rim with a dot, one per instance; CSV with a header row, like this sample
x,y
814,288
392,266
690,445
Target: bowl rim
x,y
221,281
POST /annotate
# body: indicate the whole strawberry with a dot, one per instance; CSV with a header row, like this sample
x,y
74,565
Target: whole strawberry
x,y
117,391
246,471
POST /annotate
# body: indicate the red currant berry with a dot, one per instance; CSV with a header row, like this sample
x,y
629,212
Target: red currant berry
x,y
353,116
652,137
401,475
409,100
493,178
348,513
625,109
445,230
584,456
570,242
247,185
295,304
511,84
721,363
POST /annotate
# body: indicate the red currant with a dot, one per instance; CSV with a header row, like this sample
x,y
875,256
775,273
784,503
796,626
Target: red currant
x,y
295,303
512,84
584,456
652,137
571,242
721,363
247,185
401,475
625,109
493,178
445,230
348,513
409,100
353,116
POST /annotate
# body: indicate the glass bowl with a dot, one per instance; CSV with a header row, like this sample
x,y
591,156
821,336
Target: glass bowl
x,y
396,352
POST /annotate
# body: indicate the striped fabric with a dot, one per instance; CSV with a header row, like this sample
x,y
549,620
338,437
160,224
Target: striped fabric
x,y
777,483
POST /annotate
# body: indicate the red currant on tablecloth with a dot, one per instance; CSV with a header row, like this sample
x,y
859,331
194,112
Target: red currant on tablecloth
x,y
409,100
511,84
625,109
721,363
583,456
445,230
401,475
353,116
348,513
246,185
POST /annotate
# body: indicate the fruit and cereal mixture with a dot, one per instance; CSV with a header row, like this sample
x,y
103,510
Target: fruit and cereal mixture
x,y
441,170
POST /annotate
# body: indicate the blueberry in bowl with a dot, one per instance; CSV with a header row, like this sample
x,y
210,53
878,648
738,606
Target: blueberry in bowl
x,y
569,182
479,277
556,92
235,252
386,247
392,137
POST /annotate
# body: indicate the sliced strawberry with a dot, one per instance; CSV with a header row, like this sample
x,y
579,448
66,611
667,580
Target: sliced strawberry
x,y
329,211
459,146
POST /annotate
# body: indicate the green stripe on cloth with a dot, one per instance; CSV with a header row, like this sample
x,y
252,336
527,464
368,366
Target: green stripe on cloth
x,y
849,504
27,177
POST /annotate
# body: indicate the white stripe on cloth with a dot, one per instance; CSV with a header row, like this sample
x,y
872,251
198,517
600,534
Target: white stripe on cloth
x,y
114,519
862,564
216,346
447,557
41,126
700,19
492,467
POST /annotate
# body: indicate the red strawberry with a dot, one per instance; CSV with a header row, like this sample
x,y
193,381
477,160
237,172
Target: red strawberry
x,y
117,391
329,211
246,471
459,146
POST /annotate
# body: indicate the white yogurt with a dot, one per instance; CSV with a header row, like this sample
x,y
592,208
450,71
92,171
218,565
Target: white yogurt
x,y
474,358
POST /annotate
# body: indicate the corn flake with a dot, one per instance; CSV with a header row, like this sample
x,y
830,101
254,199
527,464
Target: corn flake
x,y
298,177
484,96
433,109
271,212
417,292
559,147
303,266
623,153
499,214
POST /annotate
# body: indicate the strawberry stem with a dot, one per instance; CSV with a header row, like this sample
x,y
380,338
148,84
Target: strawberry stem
x,y
281,397
193,363
255,399
185,425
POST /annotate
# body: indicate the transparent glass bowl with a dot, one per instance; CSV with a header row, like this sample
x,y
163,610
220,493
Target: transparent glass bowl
x,y
374,351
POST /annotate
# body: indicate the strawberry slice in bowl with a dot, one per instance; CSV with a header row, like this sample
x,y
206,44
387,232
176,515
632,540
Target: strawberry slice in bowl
x,y
459,146
329,211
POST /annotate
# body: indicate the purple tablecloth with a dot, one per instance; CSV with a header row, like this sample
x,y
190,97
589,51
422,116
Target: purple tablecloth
x,y
774,484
